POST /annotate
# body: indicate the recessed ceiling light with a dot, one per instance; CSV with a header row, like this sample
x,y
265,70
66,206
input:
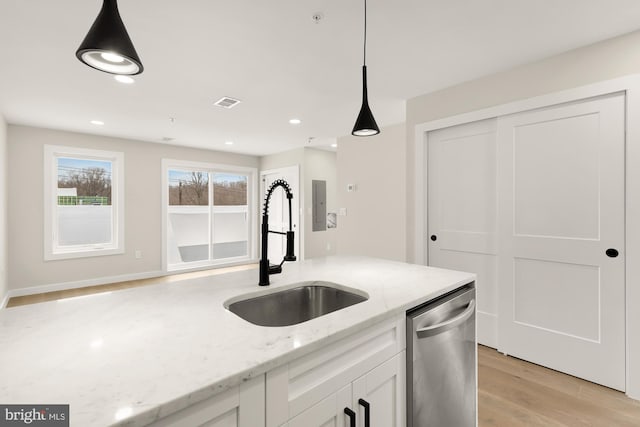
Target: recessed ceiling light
x,y
228,142
334,145
295,121
97,122
124,79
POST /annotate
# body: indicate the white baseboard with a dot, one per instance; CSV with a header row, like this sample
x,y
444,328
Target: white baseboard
x,y
5,300
487,329
80,284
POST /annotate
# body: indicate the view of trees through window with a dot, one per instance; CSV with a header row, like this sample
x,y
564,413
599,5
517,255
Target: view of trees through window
x,y
229,190
208,216
192,189
84,206
88,181
188,188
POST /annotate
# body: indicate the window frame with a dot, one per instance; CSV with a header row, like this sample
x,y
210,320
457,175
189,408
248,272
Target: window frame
x,y
52,251
252,213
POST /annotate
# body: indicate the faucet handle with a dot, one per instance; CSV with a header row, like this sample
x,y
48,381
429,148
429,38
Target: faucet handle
x,y
275,269
290,256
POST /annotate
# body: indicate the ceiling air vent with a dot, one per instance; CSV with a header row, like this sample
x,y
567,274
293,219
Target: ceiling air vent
x,y
227,102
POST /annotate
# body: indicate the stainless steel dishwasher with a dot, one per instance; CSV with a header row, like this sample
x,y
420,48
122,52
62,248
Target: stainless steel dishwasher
x,y
441,361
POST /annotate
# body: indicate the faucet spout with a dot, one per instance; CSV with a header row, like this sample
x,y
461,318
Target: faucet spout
x,y
265,267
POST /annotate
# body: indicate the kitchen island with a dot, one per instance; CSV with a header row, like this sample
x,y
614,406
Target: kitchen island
x,y
132,357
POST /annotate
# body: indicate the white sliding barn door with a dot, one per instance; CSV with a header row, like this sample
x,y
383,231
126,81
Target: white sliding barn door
x,y
560,209
461,171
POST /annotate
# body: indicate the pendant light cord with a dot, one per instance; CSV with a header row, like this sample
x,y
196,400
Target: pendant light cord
x,y
364,61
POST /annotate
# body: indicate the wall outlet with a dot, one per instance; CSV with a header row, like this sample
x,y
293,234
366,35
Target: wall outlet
x,y
351,187
328,246
342,211
138,254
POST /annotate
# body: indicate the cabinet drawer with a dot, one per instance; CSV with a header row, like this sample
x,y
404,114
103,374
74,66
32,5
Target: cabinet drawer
x,y
294,387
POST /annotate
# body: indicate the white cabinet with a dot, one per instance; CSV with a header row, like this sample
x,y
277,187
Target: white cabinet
x,y
241,406
314,390
329,412
367,365
382,389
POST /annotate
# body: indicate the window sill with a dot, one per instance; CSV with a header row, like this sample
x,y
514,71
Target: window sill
x,y
84,253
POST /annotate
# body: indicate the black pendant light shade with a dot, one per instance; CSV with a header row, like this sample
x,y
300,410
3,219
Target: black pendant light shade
x,y
107,46
365,123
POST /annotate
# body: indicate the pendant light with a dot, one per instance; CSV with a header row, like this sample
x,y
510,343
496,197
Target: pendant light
x,y
107,46
365,123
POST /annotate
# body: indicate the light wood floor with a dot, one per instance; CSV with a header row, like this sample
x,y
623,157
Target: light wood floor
x,y
515,393
57,295
511,392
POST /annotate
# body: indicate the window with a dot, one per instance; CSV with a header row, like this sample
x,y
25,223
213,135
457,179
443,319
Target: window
x,y
209,214
83,202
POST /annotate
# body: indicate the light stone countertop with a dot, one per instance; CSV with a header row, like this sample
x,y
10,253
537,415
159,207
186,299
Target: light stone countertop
x,y
127,358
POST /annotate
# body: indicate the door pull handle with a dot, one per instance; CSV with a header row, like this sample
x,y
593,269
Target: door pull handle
x,y
612,253
367,412
352,417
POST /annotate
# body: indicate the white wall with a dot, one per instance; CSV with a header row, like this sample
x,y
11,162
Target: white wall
x,y
283,160
376,222
3,211
143,206
606,60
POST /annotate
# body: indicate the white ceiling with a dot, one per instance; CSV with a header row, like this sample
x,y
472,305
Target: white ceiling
x,y
276,59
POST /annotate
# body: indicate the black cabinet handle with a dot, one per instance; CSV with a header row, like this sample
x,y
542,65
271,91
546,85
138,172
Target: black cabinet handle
x,y
434,237
367,412
352,417
612,253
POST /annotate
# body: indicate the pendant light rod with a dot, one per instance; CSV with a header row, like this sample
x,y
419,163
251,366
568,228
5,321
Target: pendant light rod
x,y
364,53
365,123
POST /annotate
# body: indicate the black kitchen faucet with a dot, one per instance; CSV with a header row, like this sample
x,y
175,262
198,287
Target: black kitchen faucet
x,y
265,267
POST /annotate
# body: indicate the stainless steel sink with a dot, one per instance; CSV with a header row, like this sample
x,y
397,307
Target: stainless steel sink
x,y
295,304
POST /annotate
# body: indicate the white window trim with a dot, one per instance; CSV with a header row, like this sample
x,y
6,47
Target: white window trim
x,y
252,199
51,251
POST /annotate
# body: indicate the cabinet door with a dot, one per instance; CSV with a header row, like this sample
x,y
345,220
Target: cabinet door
x,y
242,406
327,413
384,389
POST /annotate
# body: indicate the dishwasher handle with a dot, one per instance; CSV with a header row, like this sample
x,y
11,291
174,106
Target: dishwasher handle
x,y
438,328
